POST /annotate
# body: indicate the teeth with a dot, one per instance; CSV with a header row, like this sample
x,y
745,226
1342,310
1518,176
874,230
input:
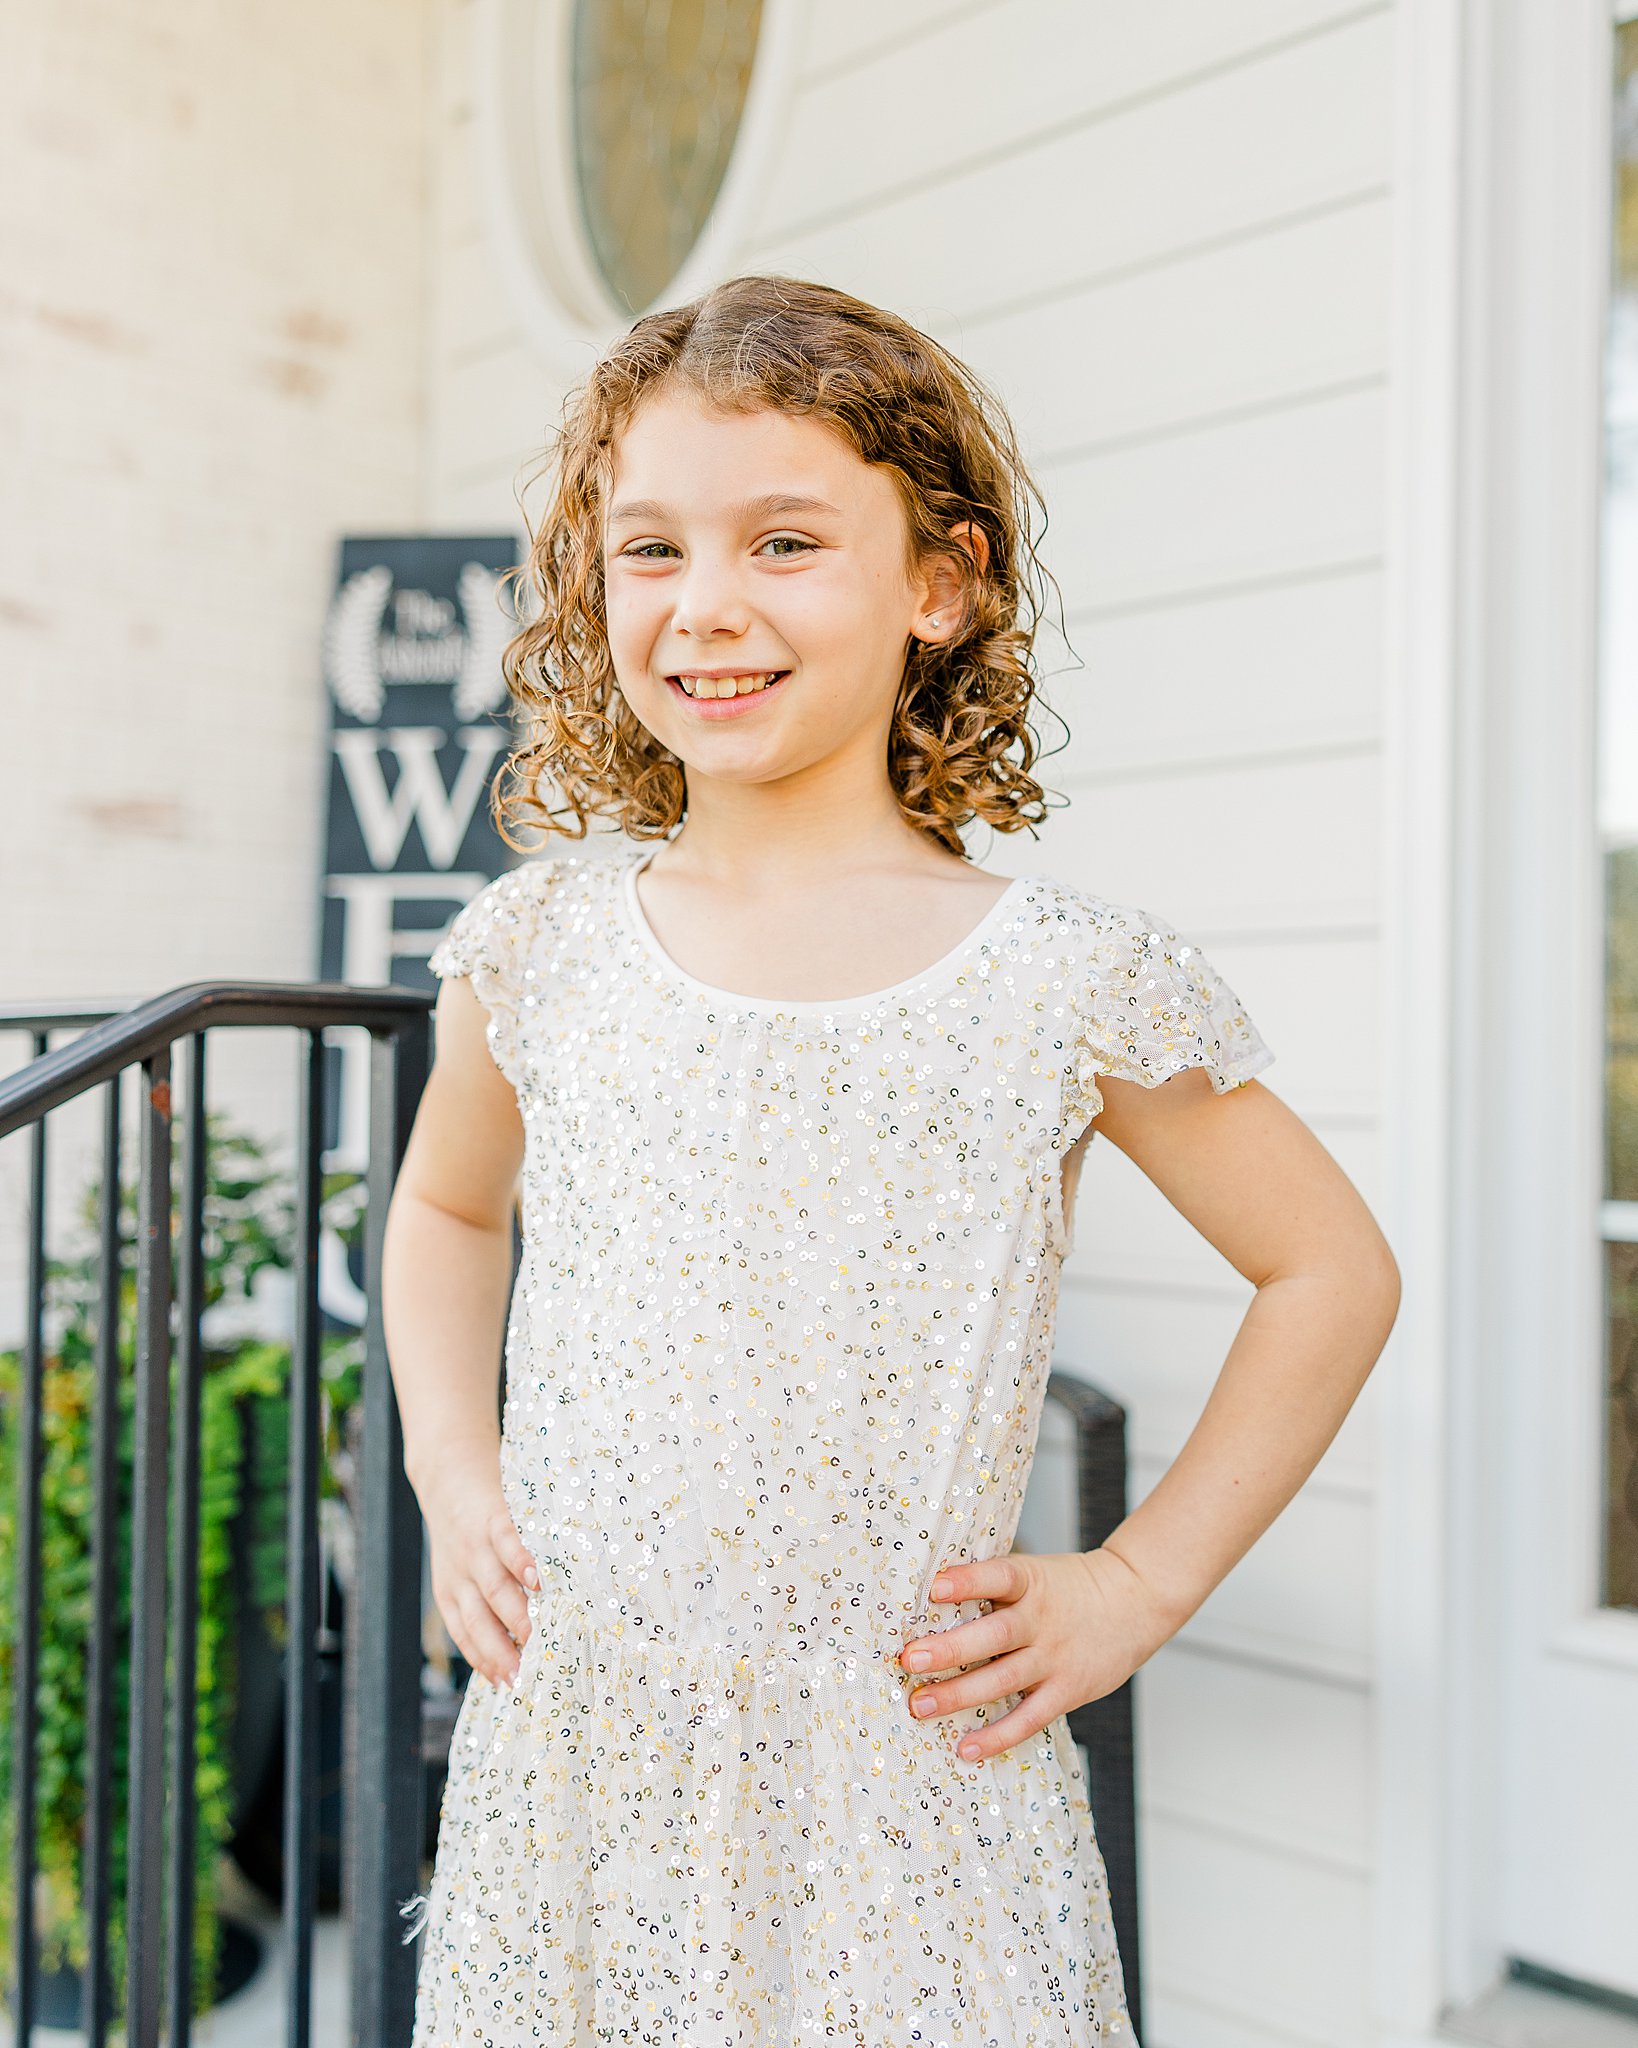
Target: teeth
x,y
727,686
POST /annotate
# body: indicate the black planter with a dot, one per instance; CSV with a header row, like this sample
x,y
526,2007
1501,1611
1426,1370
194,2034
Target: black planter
x,y
257,1841
257,1845
258,1718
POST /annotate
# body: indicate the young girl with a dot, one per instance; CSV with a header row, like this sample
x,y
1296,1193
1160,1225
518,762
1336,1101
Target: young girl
x,y
765,1737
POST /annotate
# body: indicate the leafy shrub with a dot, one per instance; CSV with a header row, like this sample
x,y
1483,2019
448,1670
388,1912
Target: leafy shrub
x,y
249,1229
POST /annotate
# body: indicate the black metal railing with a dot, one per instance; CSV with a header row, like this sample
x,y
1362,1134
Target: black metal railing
x,y
385,1819
392,1738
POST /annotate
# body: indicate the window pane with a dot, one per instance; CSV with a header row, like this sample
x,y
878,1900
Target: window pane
x,y
1621,1550
1618,820
658,90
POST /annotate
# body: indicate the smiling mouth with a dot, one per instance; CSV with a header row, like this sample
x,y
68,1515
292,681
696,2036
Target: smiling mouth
x,y
753,683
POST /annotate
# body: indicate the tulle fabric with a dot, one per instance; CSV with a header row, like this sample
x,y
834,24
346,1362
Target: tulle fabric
x,y
760,1852
492,942
1153,1006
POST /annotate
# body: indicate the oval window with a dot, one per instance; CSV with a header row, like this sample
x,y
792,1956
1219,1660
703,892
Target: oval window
x,y
657,91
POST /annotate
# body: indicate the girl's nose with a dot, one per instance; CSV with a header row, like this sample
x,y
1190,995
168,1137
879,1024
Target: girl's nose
x,y
707,599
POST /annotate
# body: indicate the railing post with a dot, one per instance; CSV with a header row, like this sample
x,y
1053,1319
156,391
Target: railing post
x,y
145,1865
190,1365
304,1564
26,1645
386,1822
105,1527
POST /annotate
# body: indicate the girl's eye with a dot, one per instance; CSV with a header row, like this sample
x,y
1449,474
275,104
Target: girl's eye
x,y
661,550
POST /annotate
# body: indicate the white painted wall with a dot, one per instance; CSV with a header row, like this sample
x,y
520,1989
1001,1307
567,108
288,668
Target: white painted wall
x,y
212,330
1165,234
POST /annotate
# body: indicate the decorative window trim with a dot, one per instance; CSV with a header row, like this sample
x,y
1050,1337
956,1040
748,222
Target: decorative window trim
x,y
525,147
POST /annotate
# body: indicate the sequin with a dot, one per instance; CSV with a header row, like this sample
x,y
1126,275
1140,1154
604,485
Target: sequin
x,y
776,1352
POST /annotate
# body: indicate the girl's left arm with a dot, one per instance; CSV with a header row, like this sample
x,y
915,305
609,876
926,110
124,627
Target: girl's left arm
x,y
1255,1181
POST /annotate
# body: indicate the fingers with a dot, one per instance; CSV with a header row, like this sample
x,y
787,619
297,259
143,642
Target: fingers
x,y
506,1599
481,1567
1004,1579
481,1639
969,1643
982,1687
512,1551
1028,1718
987,1578
486,1611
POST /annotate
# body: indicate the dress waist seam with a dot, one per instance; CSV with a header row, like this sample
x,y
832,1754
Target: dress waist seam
x,y
558,1619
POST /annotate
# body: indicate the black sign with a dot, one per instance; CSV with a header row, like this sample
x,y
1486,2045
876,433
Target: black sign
x,y
419,728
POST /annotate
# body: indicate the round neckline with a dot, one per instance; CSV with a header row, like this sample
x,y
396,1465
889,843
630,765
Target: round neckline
x,y
642,931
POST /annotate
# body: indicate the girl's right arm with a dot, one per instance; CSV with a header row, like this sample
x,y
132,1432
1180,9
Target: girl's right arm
x,y
446,1272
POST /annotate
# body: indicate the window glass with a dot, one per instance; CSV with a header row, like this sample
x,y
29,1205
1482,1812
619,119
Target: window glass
x,y
658,88
1618,824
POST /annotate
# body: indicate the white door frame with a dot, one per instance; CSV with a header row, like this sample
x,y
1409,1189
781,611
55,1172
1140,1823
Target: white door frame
x,y
1502,140
1413,1668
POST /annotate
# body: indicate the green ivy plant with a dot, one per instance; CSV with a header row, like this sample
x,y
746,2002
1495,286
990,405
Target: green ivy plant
x,y
249,1228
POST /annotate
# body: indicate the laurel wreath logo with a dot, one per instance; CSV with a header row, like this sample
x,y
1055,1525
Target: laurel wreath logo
x,y
352,628
352,642
489,625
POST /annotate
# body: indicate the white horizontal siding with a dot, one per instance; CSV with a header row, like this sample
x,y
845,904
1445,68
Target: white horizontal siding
x,y
843,35
1293,490
1265,669
1231,153
1262,1755
1294,309
995,98
1316,1000
1273,1945
1308,869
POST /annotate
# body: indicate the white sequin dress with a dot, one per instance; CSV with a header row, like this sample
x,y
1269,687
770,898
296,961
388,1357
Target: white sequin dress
x,y
777,1350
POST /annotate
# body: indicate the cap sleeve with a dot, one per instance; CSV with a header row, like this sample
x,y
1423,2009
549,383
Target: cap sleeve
x,y
492,940
1153,1006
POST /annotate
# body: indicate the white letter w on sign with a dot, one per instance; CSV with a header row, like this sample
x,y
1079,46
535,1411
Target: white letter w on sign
x,y
418,796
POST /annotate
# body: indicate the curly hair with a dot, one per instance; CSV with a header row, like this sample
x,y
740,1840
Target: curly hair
x,y
960,746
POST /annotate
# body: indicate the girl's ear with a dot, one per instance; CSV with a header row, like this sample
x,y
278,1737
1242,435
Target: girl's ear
x,y
942,615
970,538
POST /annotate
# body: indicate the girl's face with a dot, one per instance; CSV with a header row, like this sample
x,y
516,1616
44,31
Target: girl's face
x,y
756,552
